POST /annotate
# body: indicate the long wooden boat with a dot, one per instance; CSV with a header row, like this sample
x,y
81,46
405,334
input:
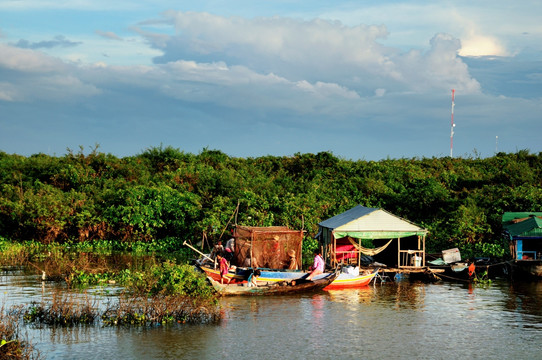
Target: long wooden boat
x,y
274,288
343,280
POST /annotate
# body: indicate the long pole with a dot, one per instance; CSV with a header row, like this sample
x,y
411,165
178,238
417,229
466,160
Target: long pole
x,y
196,250
452,128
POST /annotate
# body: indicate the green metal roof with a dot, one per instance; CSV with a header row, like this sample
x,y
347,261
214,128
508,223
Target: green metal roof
x,y
526,224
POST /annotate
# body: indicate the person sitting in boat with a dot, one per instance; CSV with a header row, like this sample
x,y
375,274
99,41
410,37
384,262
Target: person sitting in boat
x,y
318,265
250,263
253,277
293,260
223,269
218,249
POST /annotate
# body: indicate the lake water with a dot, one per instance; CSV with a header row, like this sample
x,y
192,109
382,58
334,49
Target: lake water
x,y
400,320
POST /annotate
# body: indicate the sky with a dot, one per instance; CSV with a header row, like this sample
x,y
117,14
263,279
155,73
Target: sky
x,y
365,80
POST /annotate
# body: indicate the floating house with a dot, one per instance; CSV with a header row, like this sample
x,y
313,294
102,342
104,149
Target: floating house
x,y
399,242
523,230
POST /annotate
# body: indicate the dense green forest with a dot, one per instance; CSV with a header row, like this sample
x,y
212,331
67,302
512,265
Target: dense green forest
x,y
165,194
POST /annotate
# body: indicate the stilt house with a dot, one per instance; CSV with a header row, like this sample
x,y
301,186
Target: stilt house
x,y
342,238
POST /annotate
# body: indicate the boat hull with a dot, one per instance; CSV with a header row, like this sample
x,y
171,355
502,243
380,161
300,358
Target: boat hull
x,y
343,280
276,288
528,268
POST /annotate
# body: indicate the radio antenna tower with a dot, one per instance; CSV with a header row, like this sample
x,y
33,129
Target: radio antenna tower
x,y
453,125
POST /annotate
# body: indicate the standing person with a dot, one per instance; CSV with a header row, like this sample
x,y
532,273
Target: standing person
x,y
318,265
230,244
218,249
230,249
223,269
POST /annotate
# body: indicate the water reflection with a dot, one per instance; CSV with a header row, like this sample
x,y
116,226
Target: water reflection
x,y
401,320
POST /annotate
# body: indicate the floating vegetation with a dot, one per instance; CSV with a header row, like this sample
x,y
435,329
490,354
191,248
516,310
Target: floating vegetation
x,y
483,278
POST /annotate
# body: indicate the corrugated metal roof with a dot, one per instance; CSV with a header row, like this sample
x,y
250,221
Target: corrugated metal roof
x,y
515,217
346,217
364,219
531,226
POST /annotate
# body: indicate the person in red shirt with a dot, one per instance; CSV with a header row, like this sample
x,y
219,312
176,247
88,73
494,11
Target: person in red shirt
x,y
223,269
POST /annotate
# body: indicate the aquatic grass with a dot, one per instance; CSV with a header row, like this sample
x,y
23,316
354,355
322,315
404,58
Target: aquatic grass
x,y
13,345
65,309
160,309
13,254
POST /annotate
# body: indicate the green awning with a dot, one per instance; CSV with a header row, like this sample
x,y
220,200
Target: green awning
x,y
377,234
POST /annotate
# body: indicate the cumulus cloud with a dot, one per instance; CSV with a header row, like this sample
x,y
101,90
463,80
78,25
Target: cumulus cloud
x,y
280,45
475,41
438,68
351,57
27,60
317,66
480,45
31,75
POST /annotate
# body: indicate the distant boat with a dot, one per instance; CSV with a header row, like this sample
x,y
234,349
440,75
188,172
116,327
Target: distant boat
x,y
274,288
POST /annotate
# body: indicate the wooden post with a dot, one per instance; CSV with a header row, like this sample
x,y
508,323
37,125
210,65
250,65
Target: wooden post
x,y
398,252
359,252
423,260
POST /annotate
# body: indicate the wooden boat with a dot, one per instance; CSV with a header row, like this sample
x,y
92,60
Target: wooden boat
x,y
346,280
274,288
235,276
343,280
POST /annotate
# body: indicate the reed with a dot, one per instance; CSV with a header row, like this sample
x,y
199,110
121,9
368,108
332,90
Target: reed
x,y
13,345
126,310
13,254
63,310
160,309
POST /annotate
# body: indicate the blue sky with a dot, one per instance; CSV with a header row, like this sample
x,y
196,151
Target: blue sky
x,y
362,79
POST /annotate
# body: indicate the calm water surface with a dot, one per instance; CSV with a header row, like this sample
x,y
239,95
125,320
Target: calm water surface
x,y
393,320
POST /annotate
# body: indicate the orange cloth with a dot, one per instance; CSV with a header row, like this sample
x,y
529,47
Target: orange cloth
x,y
472,267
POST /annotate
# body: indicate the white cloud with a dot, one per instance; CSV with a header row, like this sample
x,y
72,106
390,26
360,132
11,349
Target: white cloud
x,y
27,60
475,43
314,51
39,76
479,45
